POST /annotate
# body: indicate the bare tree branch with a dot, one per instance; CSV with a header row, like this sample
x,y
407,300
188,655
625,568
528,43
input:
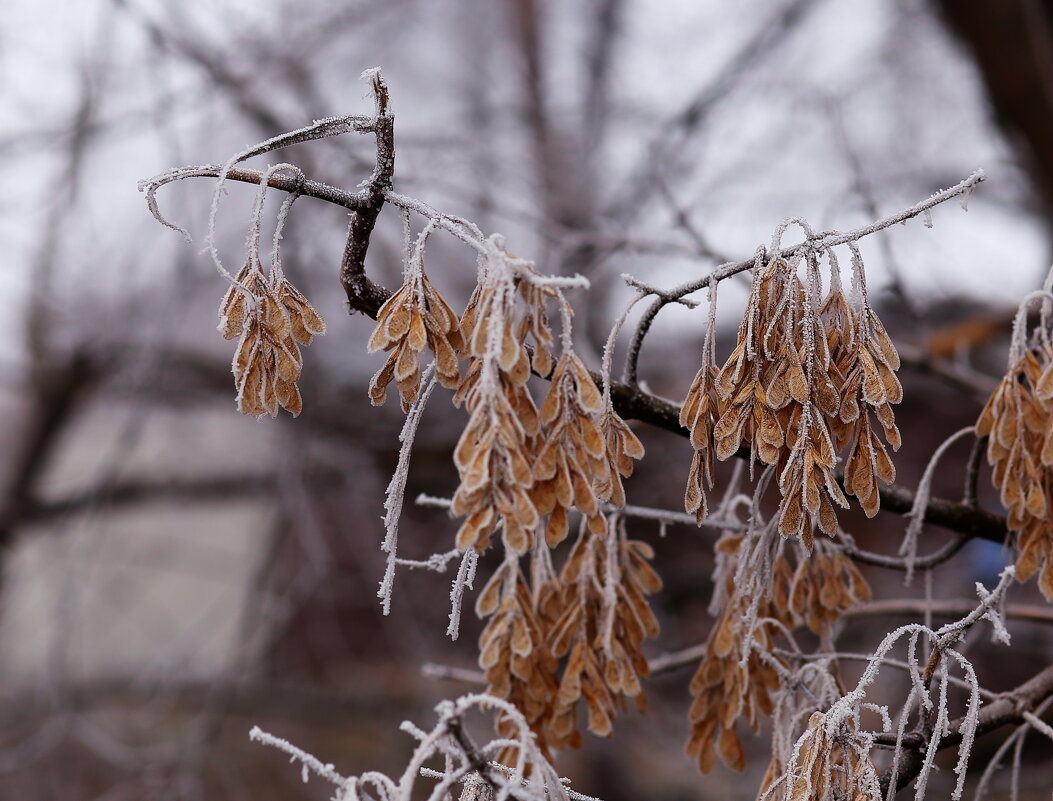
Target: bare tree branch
x,y
362,294
1010,707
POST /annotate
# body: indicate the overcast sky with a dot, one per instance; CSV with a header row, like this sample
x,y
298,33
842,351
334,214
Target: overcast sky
x,y
912,111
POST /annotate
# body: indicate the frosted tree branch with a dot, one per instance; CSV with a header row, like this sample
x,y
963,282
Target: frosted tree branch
x,y
532,778
813,244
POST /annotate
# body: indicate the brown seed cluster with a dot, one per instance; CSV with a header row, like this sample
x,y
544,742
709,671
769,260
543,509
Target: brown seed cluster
x,y
623,446
595,614
816,593
1018,420
725,690
522,471
573,455
829,767
518,465
605,620
494,454
699,414
864,362
820,590
513,648
801,384
414,318
272,319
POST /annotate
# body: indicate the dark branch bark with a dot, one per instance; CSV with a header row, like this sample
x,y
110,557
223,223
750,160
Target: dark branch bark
x,y
54,399
1010,42
198,490
916,607
316,189
973,522
362,294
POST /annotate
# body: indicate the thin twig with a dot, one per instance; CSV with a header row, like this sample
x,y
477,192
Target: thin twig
x,y
821,242
1010,707
972,472
316,189
898,563
916,607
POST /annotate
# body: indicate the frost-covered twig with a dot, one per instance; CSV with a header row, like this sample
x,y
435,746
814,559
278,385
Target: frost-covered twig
x,y
666,516
284,183
308,761
532,778
396,489
824,743
432,671
814,244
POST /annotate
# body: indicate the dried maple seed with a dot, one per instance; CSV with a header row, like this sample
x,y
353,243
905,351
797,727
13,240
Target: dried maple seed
x,y
495,453
603,622
414,318
1018,422
799,386
272,319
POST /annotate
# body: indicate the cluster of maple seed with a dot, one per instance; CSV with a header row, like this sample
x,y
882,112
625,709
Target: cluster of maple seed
x,y
827,765
414,318
806,380
734,682
1018,421
273,319
594,613
519,466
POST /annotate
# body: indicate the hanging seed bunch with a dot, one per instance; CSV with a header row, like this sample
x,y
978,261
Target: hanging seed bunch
x,y
586,448
733,681
573,455
622,447
605,619
415,318
272,319
518,465
865,360
513,648
831,762
1018,421
739,676
267,314
699,414
820,590
801,384
725,690
495,453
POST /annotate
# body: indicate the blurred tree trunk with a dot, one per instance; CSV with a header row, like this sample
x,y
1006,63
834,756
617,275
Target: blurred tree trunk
x,y
1012,44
